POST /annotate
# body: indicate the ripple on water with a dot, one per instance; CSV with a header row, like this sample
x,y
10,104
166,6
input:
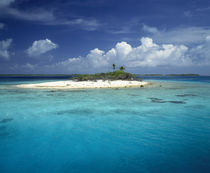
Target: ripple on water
x,y
67,91
4,131
126,111
4,134
185,95
3,128
196,107
78,111
175,88
135,95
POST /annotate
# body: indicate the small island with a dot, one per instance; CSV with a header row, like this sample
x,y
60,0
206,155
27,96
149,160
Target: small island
x,y
116,79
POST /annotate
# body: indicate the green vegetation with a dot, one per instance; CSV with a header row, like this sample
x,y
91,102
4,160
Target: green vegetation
x,y
122,68
70,75
113,66
116,75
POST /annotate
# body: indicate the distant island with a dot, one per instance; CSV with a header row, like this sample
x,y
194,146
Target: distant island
x,y
182,75
141,75
116,79
118,74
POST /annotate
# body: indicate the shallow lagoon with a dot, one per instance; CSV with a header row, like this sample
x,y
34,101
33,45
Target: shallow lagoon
x,y
152,129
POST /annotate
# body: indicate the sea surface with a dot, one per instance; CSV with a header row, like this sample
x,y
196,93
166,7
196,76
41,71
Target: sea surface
x,y
161,128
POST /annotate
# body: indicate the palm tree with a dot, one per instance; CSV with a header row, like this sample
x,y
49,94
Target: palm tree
x,y
113,66
122,68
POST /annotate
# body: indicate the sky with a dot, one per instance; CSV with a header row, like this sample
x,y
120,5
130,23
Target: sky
x,y
88,36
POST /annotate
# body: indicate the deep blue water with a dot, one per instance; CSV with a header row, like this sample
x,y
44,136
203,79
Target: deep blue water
x,y
161,128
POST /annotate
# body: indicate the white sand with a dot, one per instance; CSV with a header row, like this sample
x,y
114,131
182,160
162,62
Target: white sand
x,y
85,84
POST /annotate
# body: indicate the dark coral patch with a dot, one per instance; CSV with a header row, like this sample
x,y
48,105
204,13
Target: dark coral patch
x,y
75,112
177,102
133,94
6,120
185,95
154,98
157,100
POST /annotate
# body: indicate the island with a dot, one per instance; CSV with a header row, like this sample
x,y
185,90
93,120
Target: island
x,y
116,79
195,75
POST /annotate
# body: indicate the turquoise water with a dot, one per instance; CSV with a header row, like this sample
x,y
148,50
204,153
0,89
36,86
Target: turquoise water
x,y
161,128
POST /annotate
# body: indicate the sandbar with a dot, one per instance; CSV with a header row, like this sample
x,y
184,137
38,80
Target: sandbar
x,y
71,84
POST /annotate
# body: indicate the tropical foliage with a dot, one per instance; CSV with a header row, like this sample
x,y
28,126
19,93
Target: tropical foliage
x,y
122,68
116,75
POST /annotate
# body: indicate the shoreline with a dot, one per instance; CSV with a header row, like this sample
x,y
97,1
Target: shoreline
x,y
85,84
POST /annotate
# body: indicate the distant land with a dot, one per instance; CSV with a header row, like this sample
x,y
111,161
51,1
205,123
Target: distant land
x,y
166,75
35,75
182,75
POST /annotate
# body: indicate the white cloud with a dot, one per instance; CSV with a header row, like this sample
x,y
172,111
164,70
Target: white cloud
x,y
181,35
34,15
149,29
201,53
123,30
86,24
46,16
4,48
41,46
147,54
4,3
37,14
29,66
2,25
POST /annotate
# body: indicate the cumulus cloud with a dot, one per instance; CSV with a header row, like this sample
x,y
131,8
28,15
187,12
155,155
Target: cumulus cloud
x,y
40,47
147,54
4,48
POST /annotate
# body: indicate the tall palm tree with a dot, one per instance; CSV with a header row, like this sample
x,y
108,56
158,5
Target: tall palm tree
x,y
113,66
122,68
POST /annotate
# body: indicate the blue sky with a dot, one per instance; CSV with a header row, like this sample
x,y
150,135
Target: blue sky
x,y
86,36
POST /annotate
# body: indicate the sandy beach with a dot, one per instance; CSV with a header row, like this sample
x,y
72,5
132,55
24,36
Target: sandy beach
x,y
85,84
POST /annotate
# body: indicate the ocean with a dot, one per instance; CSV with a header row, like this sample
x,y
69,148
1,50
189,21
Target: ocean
x,y
161,128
